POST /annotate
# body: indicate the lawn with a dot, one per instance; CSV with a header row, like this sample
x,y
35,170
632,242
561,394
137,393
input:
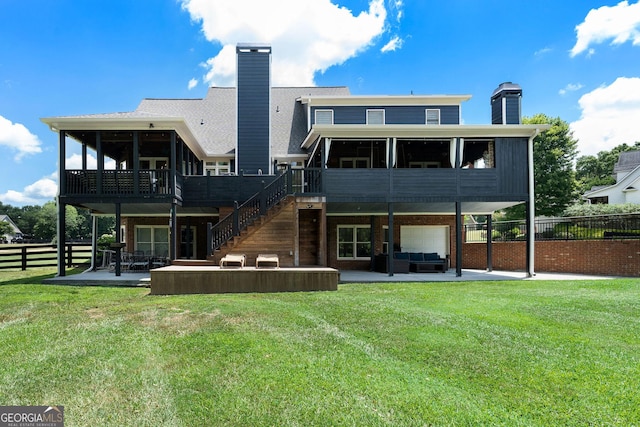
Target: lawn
x,y
468,353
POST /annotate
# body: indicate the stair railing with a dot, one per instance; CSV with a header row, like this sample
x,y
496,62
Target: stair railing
x,y
248,212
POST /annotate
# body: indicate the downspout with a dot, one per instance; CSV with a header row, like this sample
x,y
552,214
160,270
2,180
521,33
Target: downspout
x,y
531,210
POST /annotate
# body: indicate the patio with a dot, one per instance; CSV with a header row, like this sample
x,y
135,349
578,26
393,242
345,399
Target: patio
x,y
143,279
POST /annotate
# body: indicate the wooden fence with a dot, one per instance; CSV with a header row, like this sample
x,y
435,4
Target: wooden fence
x,y
42,255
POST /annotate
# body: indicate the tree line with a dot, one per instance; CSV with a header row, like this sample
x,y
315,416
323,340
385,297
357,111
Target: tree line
x,y
40,222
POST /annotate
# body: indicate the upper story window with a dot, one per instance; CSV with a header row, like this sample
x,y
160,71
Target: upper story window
x,y
375,117
433,116
324,117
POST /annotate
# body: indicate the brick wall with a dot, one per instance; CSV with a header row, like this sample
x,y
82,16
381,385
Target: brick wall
x,y
598,257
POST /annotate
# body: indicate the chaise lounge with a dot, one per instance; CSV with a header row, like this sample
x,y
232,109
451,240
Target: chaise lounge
x,y
233,260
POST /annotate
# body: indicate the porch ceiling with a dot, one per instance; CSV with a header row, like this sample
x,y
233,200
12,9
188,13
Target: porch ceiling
x,y
442,208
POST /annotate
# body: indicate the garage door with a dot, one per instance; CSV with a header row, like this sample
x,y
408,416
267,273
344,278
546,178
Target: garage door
x,y
425,238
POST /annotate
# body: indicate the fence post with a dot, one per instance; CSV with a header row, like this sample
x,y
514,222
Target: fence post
x,y
209,240
24,258
69,255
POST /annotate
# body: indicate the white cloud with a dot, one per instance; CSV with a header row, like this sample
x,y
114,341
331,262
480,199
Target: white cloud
x,y
75,162
192,83
542,51
571,87
609,116
306,36
621,23
18,138
41,191
46,188
393,44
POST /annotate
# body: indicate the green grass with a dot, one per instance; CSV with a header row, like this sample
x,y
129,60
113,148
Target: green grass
x,y
516,353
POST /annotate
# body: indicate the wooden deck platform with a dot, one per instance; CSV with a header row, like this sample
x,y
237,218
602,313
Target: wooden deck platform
x,y
184,279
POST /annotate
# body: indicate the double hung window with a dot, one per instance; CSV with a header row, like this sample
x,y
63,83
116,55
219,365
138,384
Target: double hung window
x,y
354,242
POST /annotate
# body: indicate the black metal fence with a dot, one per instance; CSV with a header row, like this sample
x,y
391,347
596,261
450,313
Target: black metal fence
x,y
621,226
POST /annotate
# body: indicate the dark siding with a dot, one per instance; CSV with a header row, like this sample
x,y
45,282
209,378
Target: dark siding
x,y
424,182
253,111
221,190
513,110
511,164
479,183
496,111
399,115
512,107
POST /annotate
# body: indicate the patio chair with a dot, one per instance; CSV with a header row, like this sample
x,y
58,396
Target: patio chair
x,y
139,261
233,260
126,261
267,260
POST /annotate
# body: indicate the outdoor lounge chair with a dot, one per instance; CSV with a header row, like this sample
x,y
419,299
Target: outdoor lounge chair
x,y
267,260
233,260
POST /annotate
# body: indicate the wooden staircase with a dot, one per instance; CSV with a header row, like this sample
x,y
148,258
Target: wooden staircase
x,y
272,233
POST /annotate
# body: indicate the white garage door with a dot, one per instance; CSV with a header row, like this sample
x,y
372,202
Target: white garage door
x,y
425,238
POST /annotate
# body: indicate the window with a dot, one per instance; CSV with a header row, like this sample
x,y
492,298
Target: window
x,y
354,242
152,239
217,167
375,117
433,116
324,117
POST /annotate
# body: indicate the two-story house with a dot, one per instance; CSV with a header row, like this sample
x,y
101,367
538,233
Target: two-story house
x,y
313,174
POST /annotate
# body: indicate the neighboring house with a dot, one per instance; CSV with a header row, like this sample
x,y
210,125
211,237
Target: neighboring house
x,y
627,186
339,178
15,233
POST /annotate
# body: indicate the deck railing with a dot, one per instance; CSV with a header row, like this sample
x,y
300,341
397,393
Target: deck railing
x,y
118,182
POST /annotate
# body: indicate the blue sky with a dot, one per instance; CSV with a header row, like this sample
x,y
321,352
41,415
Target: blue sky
x,y
575,59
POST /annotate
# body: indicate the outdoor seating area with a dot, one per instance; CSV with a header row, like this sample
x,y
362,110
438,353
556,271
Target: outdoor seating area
x,y
414,262
136,261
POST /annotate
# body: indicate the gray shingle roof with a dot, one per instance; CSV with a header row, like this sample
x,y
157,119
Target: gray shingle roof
x,y
213,119
627,161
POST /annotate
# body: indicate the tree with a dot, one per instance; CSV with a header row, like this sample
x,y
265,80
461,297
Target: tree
x,y
597,170
554,152
46,225
5,229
